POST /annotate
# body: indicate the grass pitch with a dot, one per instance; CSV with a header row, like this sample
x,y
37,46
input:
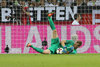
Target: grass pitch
x,y
41,60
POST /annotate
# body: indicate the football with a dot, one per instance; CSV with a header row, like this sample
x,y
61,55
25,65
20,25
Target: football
x,y
59,51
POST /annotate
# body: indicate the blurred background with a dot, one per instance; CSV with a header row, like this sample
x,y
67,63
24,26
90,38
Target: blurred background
x,y
30,12
26,21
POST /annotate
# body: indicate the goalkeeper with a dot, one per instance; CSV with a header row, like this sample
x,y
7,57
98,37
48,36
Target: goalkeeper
x,y
69,46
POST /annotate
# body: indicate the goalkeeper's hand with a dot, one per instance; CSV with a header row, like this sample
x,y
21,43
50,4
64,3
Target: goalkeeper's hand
x,y
64,49
70,49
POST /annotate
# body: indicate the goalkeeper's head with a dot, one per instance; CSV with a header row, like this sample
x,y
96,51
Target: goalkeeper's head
x,y
77,44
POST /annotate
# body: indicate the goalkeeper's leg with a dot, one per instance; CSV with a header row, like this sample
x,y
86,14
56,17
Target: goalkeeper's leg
x,y
39,49
52,25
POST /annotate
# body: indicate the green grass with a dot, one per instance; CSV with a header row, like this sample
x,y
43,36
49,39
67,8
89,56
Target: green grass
x,y
40,60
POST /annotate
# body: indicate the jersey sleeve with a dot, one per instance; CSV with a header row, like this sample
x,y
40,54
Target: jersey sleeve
x,y
69,42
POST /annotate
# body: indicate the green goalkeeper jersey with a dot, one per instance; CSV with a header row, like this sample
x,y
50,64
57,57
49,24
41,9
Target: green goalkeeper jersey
x,y
55,44
70,43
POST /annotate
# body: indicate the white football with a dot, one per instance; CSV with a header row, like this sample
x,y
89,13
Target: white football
x,y
59,51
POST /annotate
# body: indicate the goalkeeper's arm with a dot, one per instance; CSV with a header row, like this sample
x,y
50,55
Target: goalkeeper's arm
x,y
64,47
70,49
63,42
67,50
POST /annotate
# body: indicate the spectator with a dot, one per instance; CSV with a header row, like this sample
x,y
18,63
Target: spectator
x,y
62,3
15,7
48,3
25,14
84,3
67,2
74,3
55,2
26,3
30,3
13,17
79,2
10,3
51,3
97,3
91,3
42,2
59,2
16,3
77,18
38,3
3,4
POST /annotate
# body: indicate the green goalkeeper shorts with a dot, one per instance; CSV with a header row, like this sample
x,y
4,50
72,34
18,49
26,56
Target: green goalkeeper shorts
x,y
55,44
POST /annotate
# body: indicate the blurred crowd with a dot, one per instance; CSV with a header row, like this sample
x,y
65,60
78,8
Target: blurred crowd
x,y
22,14
37,3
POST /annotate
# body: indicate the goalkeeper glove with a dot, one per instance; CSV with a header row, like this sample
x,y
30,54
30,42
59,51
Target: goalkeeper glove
x,y
64,49
70,49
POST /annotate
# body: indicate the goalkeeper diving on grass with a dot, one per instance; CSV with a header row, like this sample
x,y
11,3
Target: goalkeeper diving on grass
x,y
68,46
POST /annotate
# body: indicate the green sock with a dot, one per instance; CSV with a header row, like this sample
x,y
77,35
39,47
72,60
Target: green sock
x,y
52,25
37,49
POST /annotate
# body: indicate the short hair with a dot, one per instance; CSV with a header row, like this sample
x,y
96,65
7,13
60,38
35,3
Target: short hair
x,y
76,16
80,42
